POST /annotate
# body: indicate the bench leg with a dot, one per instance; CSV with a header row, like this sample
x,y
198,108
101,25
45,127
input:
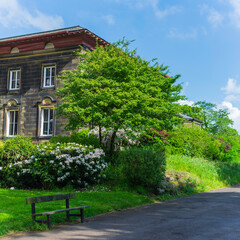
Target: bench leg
x,y
82,215
68,215
49,221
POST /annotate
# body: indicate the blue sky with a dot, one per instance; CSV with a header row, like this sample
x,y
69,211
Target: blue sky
x,y
200,39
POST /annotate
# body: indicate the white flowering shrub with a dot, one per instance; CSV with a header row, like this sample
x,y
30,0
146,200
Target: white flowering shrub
x,y
124,137
58,165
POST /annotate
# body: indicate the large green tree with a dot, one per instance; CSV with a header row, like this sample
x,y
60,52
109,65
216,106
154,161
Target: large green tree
x,y
114,88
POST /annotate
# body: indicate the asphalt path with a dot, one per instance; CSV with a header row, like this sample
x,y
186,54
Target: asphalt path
x,y
210,215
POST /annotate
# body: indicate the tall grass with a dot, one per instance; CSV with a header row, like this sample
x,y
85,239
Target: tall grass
x,y
208,174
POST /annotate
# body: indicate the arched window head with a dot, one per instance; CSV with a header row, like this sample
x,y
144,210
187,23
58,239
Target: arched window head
x,y
15,50
49,45
12,103
47,101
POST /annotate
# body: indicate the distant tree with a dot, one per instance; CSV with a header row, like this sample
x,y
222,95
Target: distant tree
x,y
215,120
114,88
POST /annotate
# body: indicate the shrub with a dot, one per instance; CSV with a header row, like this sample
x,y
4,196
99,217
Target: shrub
x,y
196,142
83,137
57,165
16,149
143,167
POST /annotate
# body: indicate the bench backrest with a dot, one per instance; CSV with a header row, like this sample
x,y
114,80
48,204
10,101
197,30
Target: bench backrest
x,y
50,198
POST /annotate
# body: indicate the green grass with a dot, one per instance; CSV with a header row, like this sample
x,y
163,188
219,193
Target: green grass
x,y
15,215
192,175
206,174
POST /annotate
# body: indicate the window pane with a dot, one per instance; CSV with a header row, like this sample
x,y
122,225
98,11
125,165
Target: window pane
x,y
13,75
13,123
45,115
47,121
51,114
14,79
11,129
45,128
53,75
50,128
13,83
49,73
16,122
47,82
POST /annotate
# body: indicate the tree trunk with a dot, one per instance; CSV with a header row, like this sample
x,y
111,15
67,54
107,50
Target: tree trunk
x,y
100,135
111,148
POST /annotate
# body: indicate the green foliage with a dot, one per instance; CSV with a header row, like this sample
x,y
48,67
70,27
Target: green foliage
x,y
114,88
232,148
143,167
196,142
82,137
216,121
16,149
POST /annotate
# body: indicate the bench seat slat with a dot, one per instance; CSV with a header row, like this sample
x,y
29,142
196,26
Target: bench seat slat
x,y
50,198
58,211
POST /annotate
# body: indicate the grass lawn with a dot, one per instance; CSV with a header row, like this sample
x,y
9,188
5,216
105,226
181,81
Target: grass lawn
x,y
195,175
15,215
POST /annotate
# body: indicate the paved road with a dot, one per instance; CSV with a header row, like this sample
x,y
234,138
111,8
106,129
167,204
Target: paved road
x,y
211,215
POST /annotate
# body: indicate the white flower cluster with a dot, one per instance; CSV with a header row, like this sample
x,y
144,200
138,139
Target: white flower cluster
x,y
123,137
64,164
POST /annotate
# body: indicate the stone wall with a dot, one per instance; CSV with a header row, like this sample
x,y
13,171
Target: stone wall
x,y
31,93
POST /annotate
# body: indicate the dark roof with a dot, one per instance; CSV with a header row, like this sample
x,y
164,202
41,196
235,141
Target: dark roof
x,y
189,118
68,30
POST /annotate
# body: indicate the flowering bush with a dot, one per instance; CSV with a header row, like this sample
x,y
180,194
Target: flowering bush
x,y
124,137
57,165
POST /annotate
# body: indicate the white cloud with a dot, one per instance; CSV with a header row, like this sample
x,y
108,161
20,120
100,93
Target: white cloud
x,y
154,4
235,14
234,113
161,13
186,102
174,33
232,91
232,87
109,18
12,13
214,17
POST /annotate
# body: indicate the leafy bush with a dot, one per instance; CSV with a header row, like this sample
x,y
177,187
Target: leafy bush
x,y
57,165
83,137
196,142
143,167
16,149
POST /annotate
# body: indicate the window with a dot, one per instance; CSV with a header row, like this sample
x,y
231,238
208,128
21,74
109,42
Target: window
x,y
48,76
47,122
12,125
14,79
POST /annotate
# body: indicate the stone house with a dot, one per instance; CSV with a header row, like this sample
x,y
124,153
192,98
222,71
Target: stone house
x,y
29,66
190,121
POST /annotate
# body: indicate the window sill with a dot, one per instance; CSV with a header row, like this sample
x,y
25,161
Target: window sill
x,y
47,88
45,137
13,90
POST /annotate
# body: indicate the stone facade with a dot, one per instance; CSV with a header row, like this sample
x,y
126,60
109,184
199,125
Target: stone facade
x,y
21,107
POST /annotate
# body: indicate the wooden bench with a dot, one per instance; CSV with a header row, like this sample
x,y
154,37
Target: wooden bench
x,y
66,197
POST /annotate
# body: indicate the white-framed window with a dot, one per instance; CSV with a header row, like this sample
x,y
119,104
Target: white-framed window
x,y
46,122
12,123
14,79
48,76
